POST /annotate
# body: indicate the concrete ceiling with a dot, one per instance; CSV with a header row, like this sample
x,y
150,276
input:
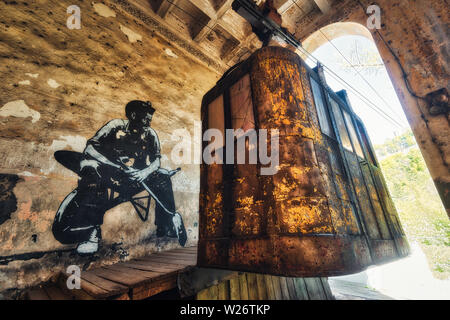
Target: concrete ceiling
x,y
212,32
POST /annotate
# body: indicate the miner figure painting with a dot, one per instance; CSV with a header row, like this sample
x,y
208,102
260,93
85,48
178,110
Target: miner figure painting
x,y
120,162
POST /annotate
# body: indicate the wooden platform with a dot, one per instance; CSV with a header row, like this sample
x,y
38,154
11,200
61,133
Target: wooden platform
x,y
147,276
132,280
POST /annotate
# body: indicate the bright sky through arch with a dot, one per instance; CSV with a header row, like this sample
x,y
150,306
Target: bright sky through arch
x,y
378,127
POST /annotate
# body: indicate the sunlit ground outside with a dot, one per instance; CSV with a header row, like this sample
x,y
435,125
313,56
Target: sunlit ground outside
x,y
425,274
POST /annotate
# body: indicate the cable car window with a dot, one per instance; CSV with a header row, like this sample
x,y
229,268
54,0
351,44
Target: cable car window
x,y
340,125
321,109
366,142
353,134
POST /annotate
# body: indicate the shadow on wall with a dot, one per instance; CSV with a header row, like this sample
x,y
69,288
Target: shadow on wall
x,y
8,201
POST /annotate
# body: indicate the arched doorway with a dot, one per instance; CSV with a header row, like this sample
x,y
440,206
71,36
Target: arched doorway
x,y
317,44
413,87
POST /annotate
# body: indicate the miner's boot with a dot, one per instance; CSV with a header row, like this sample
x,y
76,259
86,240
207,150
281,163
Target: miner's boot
x,y
90,246
180,230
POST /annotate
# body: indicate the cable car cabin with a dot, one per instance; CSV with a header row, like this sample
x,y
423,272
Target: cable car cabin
x,y
325,210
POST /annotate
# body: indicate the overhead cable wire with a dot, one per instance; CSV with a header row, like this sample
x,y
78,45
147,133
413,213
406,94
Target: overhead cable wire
x,y
359,95
363,98
362,77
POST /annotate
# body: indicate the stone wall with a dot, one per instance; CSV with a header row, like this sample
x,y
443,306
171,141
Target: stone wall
x,y
59,86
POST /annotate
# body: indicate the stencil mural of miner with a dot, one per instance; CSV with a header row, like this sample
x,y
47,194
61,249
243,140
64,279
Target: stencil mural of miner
x,y
120,162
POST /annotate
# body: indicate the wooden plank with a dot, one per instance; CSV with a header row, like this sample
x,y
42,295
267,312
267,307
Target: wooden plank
x,y
152,267
291,288
213,292
180,250
261,285
252,286
169,262
191,262
128,270
176,255
146,276
327,289
101,287
202,295
243,288
124,296
321,289
284,288
79,294
174,261
157,255
37,294
277,287
157,263
56,293
315,289
150,289
300,289
210,293
269,287
224,290
234,289
129,280
187,249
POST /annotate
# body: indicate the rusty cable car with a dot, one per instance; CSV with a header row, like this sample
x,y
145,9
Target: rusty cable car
x,y
326,211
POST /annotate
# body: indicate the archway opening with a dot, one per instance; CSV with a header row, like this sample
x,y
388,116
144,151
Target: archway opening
x,y
353,63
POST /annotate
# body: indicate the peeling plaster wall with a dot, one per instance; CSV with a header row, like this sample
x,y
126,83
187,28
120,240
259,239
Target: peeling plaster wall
x,y
59,86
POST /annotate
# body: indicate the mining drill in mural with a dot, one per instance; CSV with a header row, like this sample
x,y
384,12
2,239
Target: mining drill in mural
x,y
119,164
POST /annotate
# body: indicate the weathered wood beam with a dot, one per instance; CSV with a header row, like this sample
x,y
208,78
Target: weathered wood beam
x,y
283,5
245,45
165,7
324,5
205,30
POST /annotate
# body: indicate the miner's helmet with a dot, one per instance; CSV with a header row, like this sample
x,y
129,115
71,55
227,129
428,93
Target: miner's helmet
x,y
140,108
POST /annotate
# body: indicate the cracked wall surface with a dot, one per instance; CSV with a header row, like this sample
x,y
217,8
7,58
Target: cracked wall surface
x,y
59,86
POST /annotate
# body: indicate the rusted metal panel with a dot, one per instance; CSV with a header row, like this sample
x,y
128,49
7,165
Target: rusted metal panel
x,y
278,95
315,216
304,216
391,215
339,220
248,221
299,174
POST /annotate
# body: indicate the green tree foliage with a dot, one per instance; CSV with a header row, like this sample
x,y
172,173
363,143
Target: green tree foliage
x,y
397,144
416,199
